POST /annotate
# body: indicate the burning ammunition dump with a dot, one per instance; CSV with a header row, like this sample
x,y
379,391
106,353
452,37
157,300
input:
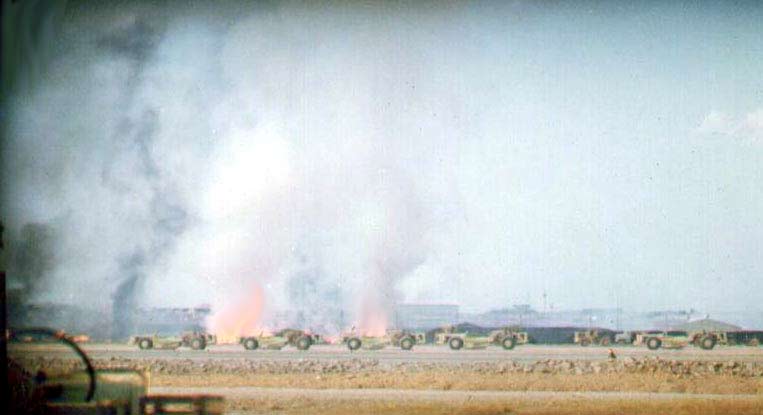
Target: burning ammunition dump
x,y
424,207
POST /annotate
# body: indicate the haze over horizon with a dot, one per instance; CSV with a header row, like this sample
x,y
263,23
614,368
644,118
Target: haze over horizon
x,y
472,153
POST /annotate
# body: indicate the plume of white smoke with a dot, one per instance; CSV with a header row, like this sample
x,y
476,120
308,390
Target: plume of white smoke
x,y
197,158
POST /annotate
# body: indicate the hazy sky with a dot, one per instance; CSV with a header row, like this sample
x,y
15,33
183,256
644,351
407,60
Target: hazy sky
x,y
470,153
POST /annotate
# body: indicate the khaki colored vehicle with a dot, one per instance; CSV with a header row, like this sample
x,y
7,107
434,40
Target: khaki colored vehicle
x,y
594,337
698,337
626,337
397,338
278,342
458,341
296,337
194,340
676,340
639,337
508,338
505,338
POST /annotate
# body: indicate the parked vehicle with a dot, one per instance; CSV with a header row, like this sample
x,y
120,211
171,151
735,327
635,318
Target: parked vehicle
x,y
194,340
506,338
677,340
301,339
594,337
276,342
397,338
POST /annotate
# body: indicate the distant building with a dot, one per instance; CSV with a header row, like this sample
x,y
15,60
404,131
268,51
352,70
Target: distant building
x,y
667,319
708,325
748,318
424,316
517,315
597,317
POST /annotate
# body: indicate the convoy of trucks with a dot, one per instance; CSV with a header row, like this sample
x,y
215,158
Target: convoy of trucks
x,y
450,336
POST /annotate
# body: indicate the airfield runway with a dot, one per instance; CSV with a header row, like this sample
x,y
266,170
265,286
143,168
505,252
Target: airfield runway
x,y
425,353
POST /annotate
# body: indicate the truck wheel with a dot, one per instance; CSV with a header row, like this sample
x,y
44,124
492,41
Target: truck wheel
x,y
251,344
653,343
707,343
585,342
753,343
303,343
198,344
455,343
354,343
146,344
605,341
406,343
508,342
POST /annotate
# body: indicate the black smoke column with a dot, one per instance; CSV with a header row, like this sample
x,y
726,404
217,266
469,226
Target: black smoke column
x,y
124,300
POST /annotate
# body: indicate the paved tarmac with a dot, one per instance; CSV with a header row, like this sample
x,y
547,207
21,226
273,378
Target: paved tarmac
x,y
425,353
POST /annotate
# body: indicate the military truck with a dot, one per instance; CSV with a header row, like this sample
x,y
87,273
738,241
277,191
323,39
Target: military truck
x,y
676,339
398,338
298,339
640,337
594,337
506,338
264,342
295,336
458,341
194,340
697,338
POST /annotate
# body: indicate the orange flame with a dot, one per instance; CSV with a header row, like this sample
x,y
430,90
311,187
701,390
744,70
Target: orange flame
x,y
333,339
373,321
237,319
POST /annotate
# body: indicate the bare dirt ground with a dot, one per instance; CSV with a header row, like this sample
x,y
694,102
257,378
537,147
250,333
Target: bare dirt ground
x,y
469,381
532,379
414,402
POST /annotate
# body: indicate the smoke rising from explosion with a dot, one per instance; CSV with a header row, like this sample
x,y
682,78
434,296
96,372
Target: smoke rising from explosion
x,y
33,256
199,158
345,156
